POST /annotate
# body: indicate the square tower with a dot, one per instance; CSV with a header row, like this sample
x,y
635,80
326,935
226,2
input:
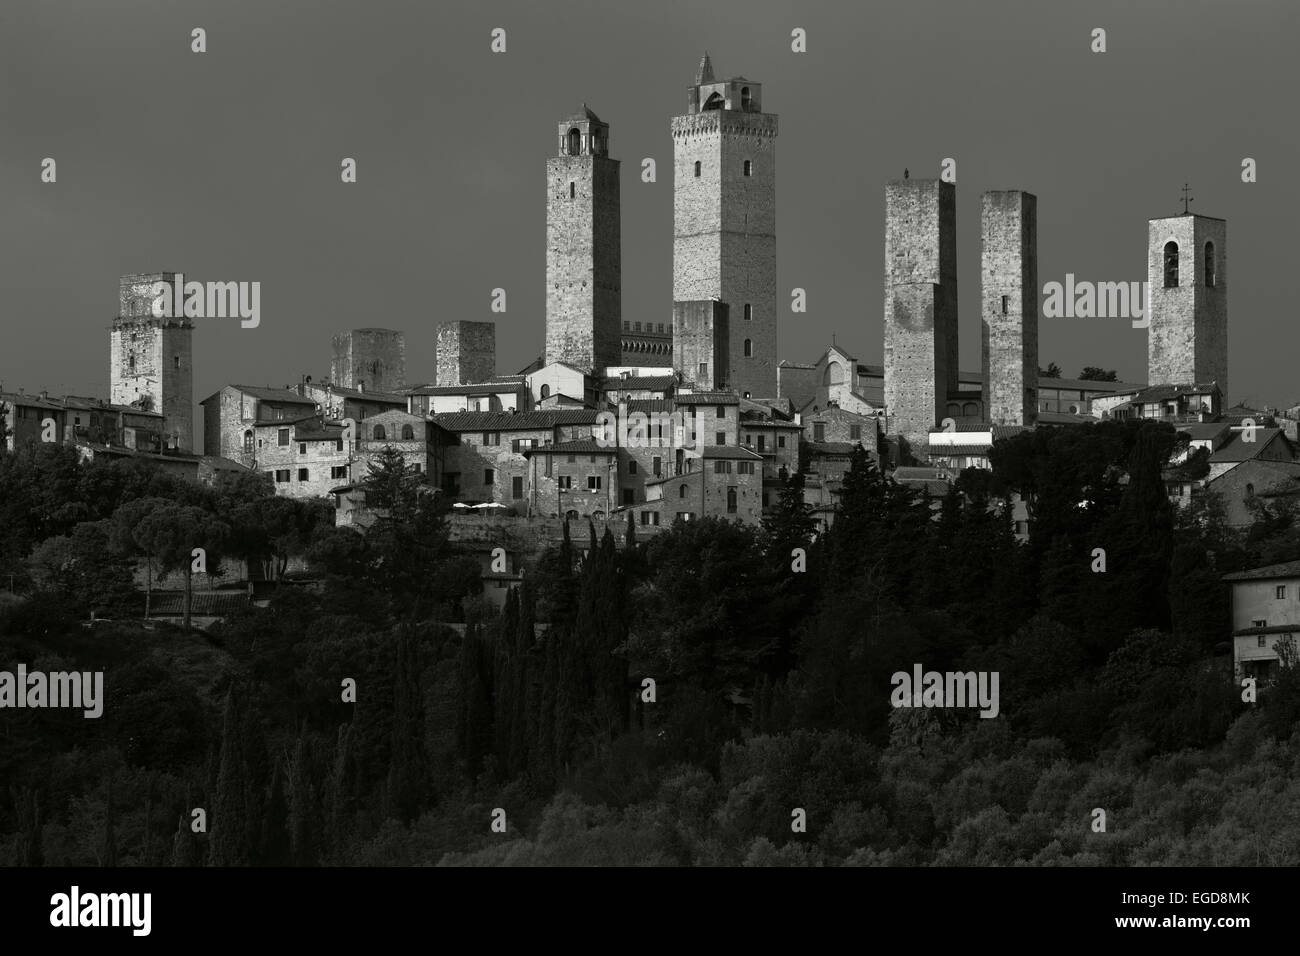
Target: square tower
x,y
701,344
369,359
724,219
1187,301
584,284
1009,304
465,353
151,359
920,306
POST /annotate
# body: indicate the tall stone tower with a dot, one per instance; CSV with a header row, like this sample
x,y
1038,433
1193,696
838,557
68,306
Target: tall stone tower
x,y
920,306
1009,303
151,359
1187,301
724,219
584,284
701,343
369,359
465,353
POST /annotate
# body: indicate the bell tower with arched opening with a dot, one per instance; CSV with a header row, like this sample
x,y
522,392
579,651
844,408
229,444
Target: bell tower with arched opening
x,y
724,220
584,288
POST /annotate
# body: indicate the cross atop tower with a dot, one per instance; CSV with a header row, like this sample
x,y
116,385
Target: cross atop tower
x,y
1187,197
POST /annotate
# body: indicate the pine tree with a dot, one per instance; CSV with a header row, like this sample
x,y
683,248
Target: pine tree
x,y
274,845
407,777
302,807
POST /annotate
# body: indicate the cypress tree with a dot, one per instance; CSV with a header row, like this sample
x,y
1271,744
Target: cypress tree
x,y
229,818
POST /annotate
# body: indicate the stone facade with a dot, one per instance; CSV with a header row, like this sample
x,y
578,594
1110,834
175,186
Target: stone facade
x,y
920,305
406,433
838,425
1188,336
723,483
724,221
701,347
304,459
1009,302
584,286
151,360
648,343
230,416
465,353
369,360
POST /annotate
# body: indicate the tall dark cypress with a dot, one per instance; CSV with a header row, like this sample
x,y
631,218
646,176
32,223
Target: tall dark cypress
x,y
228,821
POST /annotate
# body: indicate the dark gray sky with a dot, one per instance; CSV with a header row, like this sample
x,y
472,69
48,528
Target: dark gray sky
x,y
225,165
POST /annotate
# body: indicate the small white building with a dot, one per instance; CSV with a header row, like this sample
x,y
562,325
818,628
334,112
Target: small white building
x,y
1265,611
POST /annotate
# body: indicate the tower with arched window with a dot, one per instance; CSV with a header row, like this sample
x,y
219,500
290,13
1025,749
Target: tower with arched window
x,y
1187,307
584,287
151,358
724,220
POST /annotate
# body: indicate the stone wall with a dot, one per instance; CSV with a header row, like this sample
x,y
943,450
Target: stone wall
x,y
1009,303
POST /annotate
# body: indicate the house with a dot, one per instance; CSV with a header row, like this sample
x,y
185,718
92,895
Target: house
x,y
505,393
1250,444
1255,480
721,481
1265,612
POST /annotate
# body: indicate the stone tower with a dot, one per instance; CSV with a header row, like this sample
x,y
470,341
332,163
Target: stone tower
x,y
701,344
1009,304
724,219
584,284
1187,301
920,306
465,353
369,359
151,359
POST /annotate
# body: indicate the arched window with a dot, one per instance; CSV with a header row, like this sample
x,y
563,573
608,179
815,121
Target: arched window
x,y
681,492
380,434
697,169
408,433
248,442
1209,264
749,348
1250,491
749,167
731,500
575,142
715,102
1171,264
745,99
546,391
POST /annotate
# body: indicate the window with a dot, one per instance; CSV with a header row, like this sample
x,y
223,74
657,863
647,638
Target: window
x,y
302,475
176,359
489,476
731,501
855,432
721,411
720,438
572,459
248,443
593,482
686,515
749,312
1250,490
575,141
762,442
546,389
697,169
631,467
681,492
746,101
636,326
1281,592
572,191
380,433
749,167
339,471
819,431
338,444
302,448
704,370
565,482
780,441
749,348
130,363
1259,623
1171,264
519,444
744,467
628,496
282,476
657,464
650,518
283,438
722,467
517,487
1209,264
1263,641
408,433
